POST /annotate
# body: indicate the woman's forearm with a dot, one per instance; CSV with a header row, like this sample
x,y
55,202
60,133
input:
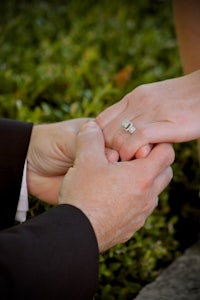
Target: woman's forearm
x,y
187,26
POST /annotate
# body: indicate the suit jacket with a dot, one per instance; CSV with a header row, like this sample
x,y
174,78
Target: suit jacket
x,y
51,256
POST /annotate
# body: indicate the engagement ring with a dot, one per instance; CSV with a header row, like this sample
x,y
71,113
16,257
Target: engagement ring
x,y
128,126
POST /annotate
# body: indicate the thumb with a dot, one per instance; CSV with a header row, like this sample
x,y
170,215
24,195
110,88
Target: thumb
x,y
90,145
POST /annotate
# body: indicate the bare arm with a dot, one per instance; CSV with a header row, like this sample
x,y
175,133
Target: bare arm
x,y
187,24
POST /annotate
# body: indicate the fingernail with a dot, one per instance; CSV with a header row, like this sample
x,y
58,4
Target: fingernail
x,y
89,125
144,151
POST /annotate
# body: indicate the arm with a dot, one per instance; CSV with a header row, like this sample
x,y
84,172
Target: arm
x,y
187,25
55,255
51,152
52,256
40,257
165,111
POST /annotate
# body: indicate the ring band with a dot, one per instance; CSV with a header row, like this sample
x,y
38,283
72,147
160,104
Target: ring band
x,y
128,126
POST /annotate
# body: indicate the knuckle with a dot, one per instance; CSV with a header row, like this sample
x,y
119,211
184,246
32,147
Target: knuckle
x,y
143,135
142,92
149,206
127,237
146,183
145,93
140,222
170,153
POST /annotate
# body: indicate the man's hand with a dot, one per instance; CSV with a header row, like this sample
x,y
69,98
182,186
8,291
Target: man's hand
x,y
117,197
51,153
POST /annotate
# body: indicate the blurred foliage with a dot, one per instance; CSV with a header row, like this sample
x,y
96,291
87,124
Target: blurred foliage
x,y
70,59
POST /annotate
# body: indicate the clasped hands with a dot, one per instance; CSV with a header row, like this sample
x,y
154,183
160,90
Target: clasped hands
x,y
77,162
68,167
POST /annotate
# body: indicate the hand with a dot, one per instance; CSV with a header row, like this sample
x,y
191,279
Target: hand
x,y
116,197
51,153
166,111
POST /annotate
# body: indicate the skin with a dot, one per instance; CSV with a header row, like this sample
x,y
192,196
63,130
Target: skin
x,y
187,25
172,116
117,197
51,153
126,197
166,111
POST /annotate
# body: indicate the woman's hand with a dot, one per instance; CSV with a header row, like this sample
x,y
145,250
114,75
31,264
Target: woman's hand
x,y
167,111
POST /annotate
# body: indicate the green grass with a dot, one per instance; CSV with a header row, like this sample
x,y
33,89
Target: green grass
x,y
64,59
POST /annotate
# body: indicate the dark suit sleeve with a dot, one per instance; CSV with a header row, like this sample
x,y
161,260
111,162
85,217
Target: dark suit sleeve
x,y
52,256
14,137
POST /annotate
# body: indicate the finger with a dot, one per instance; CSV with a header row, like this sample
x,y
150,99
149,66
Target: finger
x,y
158,186
152,133
133,145
110,122
163,180
125,143
112,155
160,158
144,151
90,144
109,114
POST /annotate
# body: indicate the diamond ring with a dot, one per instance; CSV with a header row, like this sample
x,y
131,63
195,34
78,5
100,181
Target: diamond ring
x,y
128,126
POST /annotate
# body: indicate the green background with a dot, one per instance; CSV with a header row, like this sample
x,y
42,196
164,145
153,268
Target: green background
x,y
68,59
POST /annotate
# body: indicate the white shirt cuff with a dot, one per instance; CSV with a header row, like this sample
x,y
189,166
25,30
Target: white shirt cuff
x,y
22,207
